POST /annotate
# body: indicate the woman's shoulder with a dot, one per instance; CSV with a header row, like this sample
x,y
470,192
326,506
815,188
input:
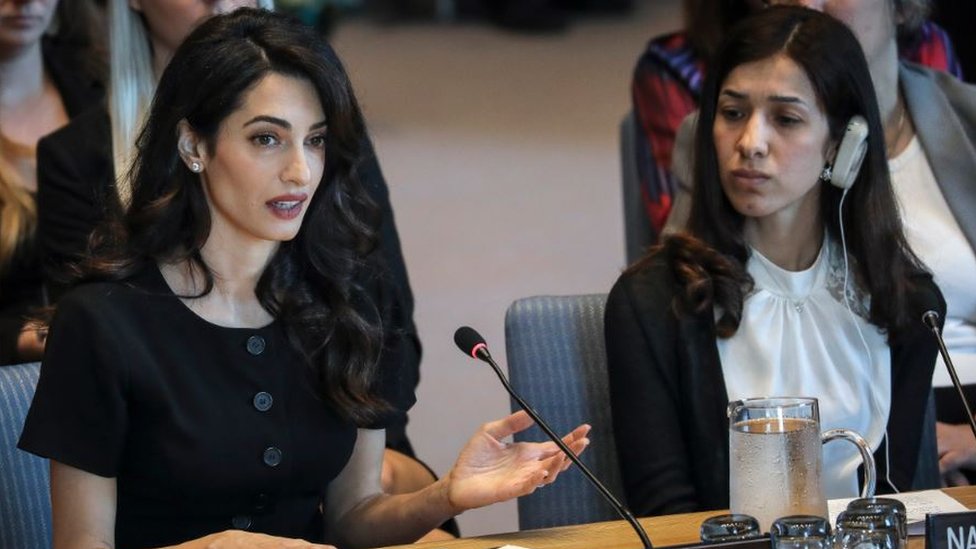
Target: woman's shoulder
x,y
90,131
95,294
925,295
681,276
110,298
109,319
922,82
672,49
77,155
647,285
671,55
654,267
940,78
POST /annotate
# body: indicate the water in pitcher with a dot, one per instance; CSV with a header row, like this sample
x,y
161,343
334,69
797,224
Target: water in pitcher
x,y
777,469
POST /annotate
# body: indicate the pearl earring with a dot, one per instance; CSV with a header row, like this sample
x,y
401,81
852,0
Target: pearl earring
x,y
195,167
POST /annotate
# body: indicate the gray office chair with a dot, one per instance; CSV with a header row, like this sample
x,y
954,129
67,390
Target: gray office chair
x,y
25,503
637,228
557,362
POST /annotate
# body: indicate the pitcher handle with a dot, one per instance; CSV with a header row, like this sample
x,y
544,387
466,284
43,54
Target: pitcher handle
x,y
866,456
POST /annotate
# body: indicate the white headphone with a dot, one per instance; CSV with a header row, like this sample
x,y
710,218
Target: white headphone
x,y
850,154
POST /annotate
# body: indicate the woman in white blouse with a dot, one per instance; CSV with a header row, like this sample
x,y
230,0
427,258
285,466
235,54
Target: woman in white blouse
x,y
929,120
794,277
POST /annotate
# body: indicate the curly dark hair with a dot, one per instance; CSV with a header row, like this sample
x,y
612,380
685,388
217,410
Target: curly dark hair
x,y
709,262
314,283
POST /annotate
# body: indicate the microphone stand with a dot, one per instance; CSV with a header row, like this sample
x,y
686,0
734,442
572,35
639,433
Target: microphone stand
x,y
931,319
482,352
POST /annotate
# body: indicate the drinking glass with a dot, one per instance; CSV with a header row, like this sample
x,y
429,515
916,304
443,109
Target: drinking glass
x,y
732,527
800,532
890,506
866,529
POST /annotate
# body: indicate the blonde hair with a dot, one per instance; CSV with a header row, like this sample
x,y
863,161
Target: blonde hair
x,y
71,25
132,83
18,216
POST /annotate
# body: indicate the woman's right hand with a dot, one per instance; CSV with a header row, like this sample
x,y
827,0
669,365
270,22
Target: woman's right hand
x,y
239,539
489,470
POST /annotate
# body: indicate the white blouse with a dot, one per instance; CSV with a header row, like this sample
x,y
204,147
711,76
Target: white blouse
x,y
934,235
798,338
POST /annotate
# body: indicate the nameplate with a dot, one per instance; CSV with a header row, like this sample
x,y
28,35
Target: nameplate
x,y
951,530
757,543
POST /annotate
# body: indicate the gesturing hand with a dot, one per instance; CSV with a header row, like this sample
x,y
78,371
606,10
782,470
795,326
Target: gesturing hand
x,y
489,470
957,450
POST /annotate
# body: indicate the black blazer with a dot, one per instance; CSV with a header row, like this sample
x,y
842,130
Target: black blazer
x,y
21,285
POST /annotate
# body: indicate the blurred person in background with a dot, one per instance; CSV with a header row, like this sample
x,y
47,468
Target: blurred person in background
x,y
51,70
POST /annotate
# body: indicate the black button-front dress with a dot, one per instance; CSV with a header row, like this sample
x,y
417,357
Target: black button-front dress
x,y
205,428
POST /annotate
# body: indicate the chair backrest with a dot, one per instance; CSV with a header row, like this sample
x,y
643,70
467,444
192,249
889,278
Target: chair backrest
x,y
638,234
25,501
557,362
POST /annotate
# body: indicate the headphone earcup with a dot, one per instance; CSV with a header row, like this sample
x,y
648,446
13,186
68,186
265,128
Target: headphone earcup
x,y
850,154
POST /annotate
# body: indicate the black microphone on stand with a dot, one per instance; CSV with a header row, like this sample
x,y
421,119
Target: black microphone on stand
x,y
931,319
471,343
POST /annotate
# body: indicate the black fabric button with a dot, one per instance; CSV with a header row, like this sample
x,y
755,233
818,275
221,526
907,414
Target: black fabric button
x,y
255,345
241,522
263,401
261,502
272,457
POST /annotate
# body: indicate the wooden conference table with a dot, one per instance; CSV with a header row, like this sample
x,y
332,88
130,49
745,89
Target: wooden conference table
x,y
663,531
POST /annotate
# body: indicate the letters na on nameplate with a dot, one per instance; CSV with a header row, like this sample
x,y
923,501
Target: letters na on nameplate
x,y
951,530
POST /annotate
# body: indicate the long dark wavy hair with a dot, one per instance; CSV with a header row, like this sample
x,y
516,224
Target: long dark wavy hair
x,y
312,283
709,261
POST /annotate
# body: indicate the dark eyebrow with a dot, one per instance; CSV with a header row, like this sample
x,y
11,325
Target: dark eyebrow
x,y
787,99
270,119
775,98
734,94
279,122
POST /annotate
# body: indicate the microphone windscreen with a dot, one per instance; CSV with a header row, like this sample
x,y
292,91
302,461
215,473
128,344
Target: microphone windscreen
x,y
928,303
466,338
